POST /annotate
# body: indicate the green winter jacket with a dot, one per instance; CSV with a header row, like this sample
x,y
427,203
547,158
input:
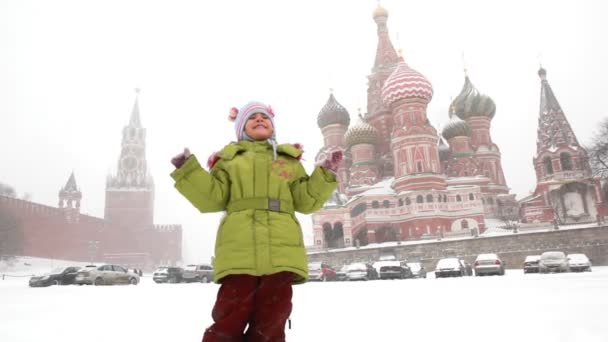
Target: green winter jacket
x,y
259,234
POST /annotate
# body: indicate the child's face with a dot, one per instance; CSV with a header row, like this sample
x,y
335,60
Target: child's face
x,y
259,127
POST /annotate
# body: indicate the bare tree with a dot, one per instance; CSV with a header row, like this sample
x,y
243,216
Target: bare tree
x,y
508,212
598,154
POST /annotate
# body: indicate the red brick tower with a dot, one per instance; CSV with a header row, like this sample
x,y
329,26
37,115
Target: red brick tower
x,y
378,114
130,193
566,190
69,200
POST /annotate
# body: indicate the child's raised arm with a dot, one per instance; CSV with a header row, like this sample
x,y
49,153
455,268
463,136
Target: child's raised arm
x,y
310,193
208,192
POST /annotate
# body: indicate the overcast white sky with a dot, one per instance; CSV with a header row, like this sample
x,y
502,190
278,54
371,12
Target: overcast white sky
x,y
68,70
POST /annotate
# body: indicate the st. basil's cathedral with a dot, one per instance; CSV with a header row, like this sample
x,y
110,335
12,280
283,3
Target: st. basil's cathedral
x,y
402,180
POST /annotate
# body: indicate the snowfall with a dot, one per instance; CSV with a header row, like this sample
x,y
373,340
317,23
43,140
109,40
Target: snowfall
x,y
515,307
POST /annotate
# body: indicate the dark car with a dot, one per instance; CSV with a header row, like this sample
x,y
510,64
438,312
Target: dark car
x,y
58,276
165,274
393,269
450,267
531,264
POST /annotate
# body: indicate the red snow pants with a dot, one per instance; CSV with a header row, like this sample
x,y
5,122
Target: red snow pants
x,y
262,302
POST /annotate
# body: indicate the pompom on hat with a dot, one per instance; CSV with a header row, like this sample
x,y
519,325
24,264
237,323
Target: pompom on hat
x,y
240,117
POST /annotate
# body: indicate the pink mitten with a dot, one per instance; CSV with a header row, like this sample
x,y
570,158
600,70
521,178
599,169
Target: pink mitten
x,y
181,158
332,162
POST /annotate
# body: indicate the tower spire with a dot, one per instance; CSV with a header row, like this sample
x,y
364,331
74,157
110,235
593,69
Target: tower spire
x,y
553,127
135,120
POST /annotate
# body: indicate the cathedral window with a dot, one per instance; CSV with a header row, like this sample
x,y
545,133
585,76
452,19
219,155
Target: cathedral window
x,y
566,161
401,202
408,201
429,198
439,198
375,205
358,209
458,198
464,224
471,197
548,165
419,166
385,203
419,199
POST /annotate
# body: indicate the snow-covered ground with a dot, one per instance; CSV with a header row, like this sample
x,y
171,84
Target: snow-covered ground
x,y
516,307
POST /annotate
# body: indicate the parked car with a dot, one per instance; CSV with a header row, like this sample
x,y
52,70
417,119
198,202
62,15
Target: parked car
x,y
468,269
553,261
449,267
320,271
490,263
392,269
165,274
106,274
531,264
341,274
579,263
58,276
361,271
418,271
202,273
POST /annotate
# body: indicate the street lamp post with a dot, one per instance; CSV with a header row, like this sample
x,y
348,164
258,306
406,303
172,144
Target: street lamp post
x,y
93,249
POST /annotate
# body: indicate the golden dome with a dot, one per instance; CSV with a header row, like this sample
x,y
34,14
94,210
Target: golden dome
x,y
380,12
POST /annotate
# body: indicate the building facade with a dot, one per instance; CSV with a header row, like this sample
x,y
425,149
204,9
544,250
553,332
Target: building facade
x,y
125,235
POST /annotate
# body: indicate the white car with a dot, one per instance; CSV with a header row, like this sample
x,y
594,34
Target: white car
x,y
489,264
105,275
579,263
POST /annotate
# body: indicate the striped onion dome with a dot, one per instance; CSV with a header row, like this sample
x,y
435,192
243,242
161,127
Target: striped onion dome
x,y
333,113
361,133
405,83
456,128
470,102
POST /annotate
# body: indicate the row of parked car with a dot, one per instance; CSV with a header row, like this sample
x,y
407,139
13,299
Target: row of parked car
x,y
105,274
557,261
385,269
201,273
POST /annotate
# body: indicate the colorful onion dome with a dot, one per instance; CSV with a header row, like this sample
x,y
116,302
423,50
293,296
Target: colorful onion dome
x,y
456,128
333,113
470,102
361,133
404,83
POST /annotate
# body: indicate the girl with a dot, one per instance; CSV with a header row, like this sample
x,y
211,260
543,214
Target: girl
x,y
259,249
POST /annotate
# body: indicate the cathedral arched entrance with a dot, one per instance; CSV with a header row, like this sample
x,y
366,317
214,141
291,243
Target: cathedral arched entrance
x,y
360,237
574,202
333,236
386,234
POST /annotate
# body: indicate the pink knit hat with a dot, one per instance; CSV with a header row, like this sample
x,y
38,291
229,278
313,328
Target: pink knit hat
x,y
241,116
